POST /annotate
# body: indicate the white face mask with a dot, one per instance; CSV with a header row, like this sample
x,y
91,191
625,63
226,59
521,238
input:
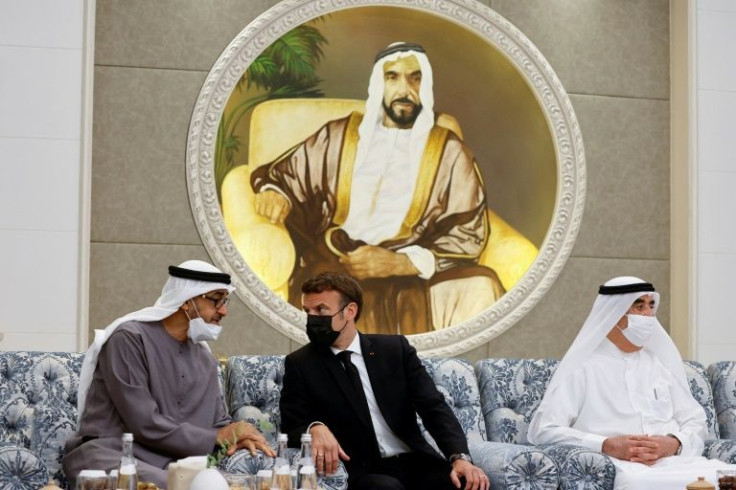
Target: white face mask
x,y
640,329
199,330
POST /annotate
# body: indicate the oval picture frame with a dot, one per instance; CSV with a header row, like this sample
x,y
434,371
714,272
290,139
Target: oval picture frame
x,y
567,196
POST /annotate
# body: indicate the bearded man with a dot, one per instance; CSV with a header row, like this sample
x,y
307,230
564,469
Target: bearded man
x,y
390,198
621,389
151,373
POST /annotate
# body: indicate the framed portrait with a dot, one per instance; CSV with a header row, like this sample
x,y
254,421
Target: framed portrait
x,y
426,148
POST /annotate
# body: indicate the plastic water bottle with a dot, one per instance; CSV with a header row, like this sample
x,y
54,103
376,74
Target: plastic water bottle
x,y
281,479
127,472
306,475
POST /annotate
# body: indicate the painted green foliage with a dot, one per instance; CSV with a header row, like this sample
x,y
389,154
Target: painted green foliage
x,y
285,69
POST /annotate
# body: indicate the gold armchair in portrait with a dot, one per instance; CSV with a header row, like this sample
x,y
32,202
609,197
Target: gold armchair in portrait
x,y
268,248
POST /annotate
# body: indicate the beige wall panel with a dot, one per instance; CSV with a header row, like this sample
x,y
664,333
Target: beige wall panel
x,y
141,121
610,47
128,277
628,177
179,34
549,329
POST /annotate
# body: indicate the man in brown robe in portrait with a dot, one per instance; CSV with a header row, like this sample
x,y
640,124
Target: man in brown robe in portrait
x,y
152,374
392,199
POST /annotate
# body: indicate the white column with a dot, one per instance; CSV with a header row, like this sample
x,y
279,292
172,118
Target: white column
x,y
44,65
715,176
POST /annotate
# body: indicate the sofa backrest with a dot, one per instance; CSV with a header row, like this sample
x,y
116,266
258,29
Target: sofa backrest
x,y
512,389
38,402
253,391
723,380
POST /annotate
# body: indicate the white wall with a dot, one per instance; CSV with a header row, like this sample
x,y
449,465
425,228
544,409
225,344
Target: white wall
x,y
42,190
715,174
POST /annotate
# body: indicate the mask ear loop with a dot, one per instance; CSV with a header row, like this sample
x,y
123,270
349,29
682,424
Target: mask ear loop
x,y
194,305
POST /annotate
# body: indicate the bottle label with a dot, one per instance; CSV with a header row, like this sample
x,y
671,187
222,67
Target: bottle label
x,y
128,469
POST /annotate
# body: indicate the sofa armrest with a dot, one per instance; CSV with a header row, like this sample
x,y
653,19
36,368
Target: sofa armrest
x,y
21,468
581,467
243,462
721,449
515,466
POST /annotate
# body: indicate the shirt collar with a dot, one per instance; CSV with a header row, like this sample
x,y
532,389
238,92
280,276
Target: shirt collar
x,y
353,347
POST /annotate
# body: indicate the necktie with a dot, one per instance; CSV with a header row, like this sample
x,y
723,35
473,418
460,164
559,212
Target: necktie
x,y
354,377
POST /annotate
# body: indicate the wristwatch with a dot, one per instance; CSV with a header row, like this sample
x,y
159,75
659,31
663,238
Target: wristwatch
x,y
463,456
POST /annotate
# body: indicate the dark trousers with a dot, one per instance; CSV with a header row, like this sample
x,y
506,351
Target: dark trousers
x,y
409,471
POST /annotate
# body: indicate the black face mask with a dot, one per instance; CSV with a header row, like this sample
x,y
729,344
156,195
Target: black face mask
x,y
319,329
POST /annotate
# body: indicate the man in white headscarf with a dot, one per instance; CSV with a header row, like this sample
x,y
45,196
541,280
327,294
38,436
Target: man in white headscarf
x,y
152,374
621,389
391,198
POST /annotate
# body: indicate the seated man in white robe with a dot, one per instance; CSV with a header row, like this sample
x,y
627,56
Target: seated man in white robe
x,y
152,374
621,389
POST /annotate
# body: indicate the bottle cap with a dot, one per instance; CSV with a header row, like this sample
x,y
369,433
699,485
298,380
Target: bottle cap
x,y
127,436
283,437
306,437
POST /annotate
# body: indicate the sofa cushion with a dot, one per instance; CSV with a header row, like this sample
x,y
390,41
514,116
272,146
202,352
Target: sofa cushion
x,y
511,390
38,399
700,387
455,379
723,379
254,390
21,469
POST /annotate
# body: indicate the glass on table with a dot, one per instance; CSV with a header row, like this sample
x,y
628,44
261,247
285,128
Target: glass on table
x,y
263,480
92,480
239,481
726,479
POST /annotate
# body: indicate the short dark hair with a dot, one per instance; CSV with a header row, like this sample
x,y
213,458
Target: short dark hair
x,y
348,288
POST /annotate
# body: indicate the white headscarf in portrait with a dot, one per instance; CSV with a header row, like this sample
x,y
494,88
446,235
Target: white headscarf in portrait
x,y
175,293
607,311
374,104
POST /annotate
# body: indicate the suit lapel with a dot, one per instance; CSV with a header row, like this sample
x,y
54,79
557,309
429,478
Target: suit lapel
x,y
376,373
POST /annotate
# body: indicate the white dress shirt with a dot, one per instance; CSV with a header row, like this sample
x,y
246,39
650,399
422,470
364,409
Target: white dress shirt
x,y
388,443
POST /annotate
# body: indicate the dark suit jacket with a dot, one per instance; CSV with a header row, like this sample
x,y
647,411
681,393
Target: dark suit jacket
x,y
316,388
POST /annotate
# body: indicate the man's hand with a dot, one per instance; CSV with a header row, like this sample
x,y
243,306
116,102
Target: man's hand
x,y
475,478
641,448
326,449
243,435
272,205
370,261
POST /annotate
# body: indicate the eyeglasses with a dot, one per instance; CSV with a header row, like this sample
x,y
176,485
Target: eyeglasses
x,y
219,302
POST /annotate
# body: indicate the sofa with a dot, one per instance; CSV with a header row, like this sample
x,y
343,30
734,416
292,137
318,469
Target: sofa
x,y
38,392
493,400
512,389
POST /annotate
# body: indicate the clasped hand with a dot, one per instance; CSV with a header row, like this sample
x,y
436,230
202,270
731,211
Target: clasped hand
x,y
643,449
243,435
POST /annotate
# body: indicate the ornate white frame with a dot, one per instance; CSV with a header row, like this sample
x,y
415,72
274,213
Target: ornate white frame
x,y
499,33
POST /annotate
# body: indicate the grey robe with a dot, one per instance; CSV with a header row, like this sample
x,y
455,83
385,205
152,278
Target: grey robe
x,y
163,391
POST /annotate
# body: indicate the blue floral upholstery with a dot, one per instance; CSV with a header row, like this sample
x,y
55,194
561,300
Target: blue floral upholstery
x,y
20,468
38,402
506,465
700,387
512,389
456,381
723,380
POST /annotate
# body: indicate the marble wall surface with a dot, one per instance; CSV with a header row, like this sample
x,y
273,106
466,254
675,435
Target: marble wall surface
x,y
152,57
